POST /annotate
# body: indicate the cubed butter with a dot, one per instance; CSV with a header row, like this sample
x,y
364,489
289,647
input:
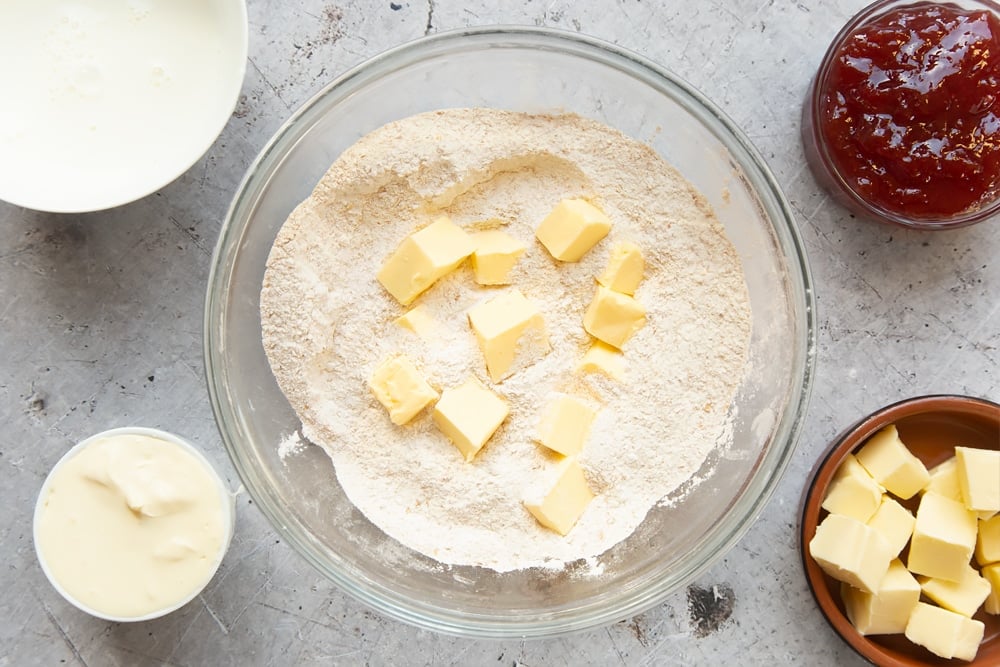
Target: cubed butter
x,y
853,492
401,389
892,465
511,333
944,633
944,480
944,537
469,415
495,255
613,317
418,320
566,500
572,228
894,523
886,611
988,541
964,596
624,270
565,425
991,573
979,478
603,358
423,258
850,551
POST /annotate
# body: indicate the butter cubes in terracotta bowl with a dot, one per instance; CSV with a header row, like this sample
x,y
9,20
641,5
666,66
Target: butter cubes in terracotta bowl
x,y
900,533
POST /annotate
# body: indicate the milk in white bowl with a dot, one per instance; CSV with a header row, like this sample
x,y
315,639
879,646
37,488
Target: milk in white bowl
x,y
106,101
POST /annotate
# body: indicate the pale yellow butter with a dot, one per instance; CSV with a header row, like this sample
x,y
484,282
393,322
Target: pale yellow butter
x,y
944,633
495,255
850,551
572,228
892,465
944,480
511,333
565,425
887,610
469,415
603,358
613,317
944,537
991,573
979,478
894,523
988,541
401,389
418,320
423,258
625,269
853,492
565,501
964,596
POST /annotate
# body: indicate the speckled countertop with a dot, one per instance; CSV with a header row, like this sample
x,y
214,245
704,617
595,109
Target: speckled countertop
x,y
100,326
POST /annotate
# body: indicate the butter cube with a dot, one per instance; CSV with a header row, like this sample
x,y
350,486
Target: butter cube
x,y
423,257
894,523
613,317
511,333
944,633
962,597
603,358
851,552
892,465
988,541
979,478
401,389
417,320
625,267
991,573
565,501
572,228
853,492
944,537
495,255
469,415
944,480
886,611
565,425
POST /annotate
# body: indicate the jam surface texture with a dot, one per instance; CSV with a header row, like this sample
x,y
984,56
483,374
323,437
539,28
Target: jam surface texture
x,y
910,110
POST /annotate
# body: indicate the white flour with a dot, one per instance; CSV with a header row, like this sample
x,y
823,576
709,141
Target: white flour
x,y
327,323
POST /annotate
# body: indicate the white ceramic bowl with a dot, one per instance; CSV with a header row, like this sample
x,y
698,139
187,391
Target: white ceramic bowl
x,y
105,103
228,520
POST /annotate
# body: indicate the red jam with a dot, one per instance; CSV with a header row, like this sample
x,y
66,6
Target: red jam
x,y
910,110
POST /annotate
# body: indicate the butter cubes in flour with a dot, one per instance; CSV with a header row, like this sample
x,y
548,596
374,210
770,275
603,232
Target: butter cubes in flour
x,y
469,415
572,228
511,333
401,389
423,258
565,501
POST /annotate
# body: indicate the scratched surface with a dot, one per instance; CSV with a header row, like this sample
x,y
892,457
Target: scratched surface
x,y
100,326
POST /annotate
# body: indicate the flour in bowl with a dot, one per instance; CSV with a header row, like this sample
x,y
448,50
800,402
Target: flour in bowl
x,y
327,323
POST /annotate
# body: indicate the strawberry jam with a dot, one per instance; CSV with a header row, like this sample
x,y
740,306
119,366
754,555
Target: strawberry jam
x,y
909,110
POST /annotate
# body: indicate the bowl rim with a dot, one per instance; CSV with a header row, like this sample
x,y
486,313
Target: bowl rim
x,y
771,466
820,476
228,521
818,151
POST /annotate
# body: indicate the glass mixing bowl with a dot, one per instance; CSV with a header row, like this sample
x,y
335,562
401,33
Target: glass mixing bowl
x,y
525,70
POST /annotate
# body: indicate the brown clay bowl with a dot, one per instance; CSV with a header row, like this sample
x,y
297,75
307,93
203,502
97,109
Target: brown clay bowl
x,y
931,427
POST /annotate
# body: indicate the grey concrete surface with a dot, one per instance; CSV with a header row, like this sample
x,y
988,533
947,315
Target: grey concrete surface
x,y
100,326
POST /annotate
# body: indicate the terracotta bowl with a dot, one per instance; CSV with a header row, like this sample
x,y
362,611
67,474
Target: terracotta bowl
x,y
931,427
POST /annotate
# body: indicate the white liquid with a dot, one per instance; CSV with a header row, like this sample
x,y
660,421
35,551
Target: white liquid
x,y
105,101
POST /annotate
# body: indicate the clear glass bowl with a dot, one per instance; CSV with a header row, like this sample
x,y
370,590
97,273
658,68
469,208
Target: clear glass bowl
x,y
527,70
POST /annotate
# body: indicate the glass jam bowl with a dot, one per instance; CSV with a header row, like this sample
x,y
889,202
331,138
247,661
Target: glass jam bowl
x,y
534,70
901,123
